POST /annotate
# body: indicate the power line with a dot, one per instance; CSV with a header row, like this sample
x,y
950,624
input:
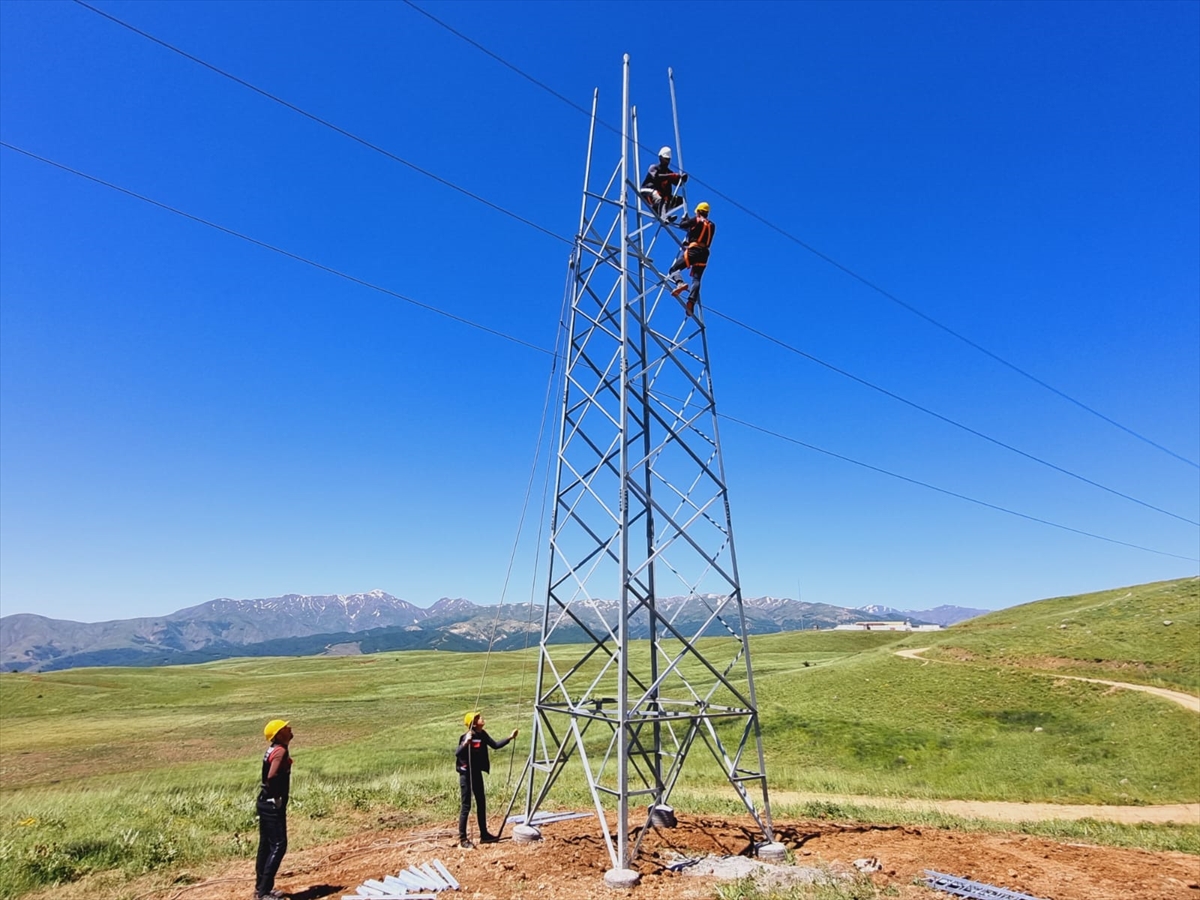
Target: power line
x,y
298,258
492,331
824,257
949,493
344,132
948,420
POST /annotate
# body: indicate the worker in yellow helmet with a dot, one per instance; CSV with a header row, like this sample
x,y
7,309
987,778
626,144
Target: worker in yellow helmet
x,y
272,808
471,761
700,230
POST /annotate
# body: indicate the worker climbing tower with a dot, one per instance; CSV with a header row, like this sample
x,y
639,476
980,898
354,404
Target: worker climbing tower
x,y
643,655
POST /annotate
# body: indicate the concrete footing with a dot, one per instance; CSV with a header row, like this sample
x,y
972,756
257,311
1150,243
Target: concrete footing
x,y
525,834
772,851
663,816
621,879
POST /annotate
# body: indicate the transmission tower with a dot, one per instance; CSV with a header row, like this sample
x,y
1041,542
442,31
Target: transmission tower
x,y
643,653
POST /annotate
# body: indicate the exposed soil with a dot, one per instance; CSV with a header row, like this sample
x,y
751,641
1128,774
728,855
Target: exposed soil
x,y
570,862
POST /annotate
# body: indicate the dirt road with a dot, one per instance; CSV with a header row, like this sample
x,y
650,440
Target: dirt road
x,y
1003,811
1182,813
1187,701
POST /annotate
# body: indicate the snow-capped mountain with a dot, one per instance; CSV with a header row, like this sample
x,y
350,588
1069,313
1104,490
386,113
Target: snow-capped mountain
x,y
304,624
31,642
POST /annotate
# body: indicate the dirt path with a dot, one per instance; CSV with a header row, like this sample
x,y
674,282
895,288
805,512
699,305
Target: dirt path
x,y
1183,813
1005,811
1187,701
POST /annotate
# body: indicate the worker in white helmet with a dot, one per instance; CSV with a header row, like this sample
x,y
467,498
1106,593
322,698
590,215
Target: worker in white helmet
x,y
658,187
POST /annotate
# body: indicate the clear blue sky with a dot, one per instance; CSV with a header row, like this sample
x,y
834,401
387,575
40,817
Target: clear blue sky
x,y
184,415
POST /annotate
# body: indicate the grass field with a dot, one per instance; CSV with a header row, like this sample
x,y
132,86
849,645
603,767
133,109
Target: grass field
x,y
154,770
1145,634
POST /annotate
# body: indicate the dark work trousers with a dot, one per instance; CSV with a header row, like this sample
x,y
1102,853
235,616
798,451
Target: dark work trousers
x,y
695,258
658,202
272,844
468,783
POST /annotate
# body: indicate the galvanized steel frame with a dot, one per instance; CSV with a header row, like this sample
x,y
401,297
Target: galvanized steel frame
x,y
640,497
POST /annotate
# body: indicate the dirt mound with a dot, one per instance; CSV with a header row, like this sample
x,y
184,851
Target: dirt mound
x,y
570,862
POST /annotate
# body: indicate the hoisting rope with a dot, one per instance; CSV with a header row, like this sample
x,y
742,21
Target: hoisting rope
x,y
551,381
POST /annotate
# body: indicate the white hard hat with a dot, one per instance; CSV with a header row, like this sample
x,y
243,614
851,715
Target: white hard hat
x,y
665,153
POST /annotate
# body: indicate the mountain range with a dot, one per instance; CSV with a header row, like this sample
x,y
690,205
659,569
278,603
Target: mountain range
x,y
305,625
939,615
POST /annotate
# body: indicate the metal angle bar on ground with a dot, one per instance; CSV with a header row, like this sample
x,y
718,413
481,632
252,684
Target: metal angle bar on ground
x,y
546,818
974,890
416,878
434,876
379,889
445,873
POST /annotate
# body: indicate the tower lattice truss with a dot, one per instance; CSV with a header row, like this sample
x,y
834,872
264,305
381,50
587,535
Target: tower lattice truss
x,y
643,654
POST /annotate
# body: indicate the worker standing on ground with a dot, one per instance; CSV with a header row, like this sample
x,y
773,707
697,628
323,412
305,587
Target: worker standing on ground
x,y
658,187
471,761
700,231
272,808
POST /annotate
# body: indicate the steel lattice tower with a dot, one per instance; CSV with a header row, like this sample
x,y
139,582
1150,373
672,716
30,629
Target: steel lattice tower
x,y
641,517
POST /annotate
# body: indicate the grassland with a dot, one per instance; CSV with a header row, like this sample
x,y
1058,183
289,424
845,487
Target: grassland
x,y
1145,634
139,770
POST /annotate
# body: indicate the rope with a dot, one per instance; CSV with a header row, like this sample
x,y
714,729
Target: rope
x,y
533,469
563,339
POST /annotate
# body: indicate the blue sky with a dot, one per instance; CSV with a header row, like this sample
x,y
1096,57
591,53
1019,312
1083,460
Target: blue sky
x,y
185,415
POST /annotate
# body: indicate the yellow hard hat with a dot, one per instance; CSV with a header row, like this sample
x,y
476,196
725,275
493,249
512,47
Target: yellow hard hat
x,y
273,728
469,718
702,208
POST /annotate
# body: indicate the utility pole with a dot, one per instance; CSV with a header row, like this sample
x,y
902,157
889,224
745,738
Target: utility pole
x,y
643,653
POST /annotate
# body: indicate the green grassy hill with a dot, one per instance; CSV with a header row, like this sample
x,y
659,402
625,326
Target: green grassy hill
x,y
983,721
117,772
1147,634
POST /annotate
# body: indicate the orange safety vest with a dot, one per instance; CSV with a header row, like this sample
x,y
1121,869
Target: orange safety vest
x,y
702,232
705,235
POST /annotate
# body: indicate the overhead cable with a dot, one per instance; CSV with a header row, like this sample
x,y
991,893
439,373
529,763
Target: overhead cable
x,y
492,331
297,257
979,434
824,257
948,493
523,220
342,131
